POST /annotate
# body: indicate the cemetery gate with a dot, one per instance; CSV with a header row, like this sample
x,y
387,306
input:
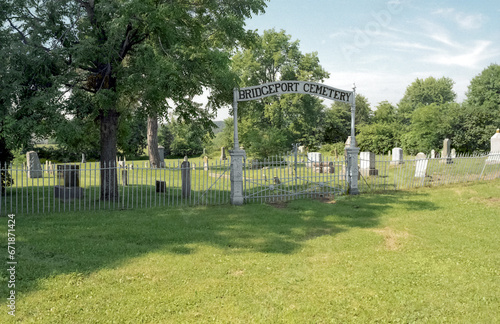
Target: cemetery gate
x,y
294,175
294,182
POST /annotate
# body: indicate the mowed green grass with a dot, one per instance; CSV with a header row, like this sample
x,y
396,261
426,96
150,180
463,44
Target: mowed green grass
x,y
430,255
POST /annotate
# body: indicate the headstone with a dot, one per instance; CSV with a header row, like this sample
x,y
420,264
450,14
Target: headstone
x,y
313,158
69,182
328,168
421,165
453,153
186,178
301,149
161,152
161,186
83,158
34,166
397,156
223,153
494,156
446,156
125,177
495,142
205,163
204,152
433,154
367,164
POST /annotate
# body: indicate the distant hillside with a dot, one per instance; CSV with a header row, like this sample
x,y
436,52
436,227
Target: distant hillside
x,y
219,127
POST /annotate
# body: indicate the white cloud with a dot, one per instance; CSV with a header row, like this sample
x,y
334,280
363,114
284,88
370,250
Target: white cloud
x,y
468,57
464,20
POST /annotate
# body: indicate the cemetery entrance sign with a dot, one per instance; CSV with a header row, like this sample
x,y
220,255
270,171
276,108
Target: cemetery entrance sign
x,y
288,87
285,87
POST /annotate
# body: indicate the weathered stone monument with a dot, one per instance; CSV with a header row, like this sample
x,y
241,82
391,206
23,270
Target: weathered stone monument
x,y
433,154
495,142
83,158
186,178
367,164
446,156
223,153
205,163
68,176
421,165
34,166
161,153
494,156
397,156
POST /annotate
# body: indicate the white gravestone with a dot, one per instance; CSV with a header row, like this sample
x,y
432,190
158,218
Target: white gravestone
x,y
313,158
367,164
494,156
397,156
34,166
446,156
495,142
421,165
433,154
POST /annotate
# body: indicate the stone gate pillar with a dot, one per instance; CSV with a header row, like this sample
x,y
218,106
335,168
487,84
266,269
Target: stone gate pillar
x,y
236,176
352,170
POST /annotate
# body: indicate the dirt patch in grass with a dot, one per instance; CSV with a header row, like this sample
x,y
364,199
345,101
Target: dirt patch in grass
x,y
491,202
393,240
326,200
278,204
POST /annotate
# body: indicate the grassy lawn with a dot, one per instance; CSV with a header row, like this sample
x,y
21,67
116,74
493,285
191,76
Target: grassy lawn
x,y
426,255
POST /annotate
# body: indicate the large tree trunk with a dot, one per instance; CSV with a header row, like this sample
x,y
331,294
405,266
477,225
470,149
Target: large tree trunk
x,y
109,179
154,157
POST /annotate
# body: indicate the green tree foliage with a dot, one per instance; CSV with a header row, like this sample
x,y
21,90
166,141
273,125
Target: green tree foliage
x,y
381,136
385,113
424,92
430,125
287,118
180,138
337,122
377,138
132,134
479,117
95,58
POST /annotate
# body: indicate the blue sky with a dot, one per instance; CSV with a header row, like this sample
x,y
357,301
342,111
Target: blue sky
x,y
384,45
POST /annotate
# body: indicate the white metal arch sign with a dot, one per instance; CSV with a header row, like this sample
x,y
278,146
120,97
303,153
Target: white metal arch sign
x,y
285,87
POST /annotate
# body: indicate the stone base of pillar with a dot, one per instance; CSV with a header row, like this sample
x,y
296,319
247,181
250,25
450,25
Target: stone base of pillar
x,y
352,169
237,194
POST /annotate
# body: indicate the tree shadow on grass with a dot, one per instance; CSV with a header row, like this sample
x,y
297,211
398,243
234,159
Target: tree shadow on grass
x,y
87,242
